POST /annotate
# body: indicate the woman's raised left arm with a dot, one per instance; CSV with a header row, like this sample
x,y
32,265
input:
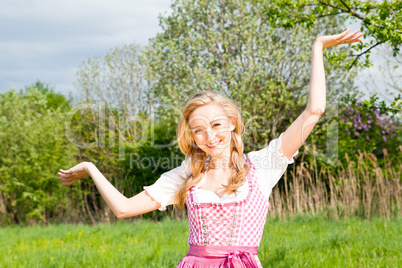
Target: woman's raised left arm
x,y
298,131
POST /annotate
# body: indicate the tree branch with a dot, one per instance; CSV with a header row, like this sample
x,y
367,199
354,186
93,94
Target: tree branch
x,y
364,52
330,14
352,12
343,2
333,6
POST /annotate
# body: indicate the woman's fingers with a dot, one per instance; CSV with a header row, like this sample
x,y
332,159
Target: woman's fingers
x,y
345,37
73,174
354,37
354,34
357,38
63,179
65,171
343,34
68,183
348,38
67,177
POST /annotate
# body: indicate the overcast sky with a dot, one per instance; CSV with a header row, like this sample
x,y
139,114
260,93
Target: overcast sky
x,y
47,40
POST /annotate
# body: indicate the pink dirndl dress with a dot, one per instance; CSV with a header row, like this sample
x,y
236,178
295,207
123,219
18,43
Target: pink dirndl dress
x,y
226,234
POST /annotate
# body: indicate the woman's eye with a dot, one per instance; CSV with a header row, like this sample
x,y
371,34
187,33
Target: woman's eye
x,y
216,125
198,130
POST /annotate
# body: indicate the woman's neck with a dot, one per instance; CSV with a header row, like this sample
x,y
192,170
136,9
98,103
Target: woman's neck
x,y
220,163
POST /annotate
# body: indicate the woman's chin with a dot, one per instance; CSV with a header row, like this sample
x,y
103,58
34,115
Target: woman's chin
x,y
216,152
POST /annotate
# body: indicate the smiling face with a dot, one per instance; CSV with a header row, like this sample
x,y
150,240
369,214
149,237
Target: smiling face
x,y
211,130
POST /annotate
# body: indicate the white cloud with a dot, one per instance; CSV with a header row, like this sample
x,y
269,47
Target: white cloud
x,y
47,40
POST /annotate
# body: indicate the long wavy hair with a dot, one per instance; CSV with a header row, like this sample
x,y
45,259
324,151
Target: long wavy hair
x,y
197,158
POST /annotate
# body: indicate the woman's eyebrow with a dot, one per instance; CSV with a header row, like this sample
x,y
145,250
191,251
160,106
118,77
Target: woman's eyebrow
x,y
198,125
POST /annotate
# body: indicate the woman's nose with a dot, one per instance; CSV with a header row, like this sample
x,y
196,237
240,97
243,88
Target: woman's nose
x,y
211,134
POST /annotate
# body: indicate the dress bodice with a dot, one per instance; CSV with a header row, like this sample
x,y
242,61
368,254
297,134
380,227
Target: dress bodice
x,y
239,223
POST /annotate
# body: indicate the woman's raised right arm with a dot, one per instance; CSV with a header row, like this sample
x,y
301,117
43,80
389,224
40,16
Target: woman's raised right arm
x,y
121,206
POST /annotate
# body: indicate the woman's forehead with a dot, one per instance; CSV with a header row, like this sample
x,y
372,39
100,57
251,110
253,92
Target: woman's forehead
x,y
207,114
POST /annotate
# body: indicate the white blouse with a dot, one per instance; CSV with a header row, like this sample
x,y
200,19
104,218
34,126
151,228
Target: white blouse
x,y
269,165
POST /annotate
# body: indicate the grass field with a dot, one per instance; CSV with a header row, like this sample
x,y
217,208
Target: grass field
x,y
304,241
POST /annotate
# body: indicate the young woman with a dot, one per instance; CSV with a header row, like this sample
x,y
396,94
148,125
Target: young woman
x,y
226,192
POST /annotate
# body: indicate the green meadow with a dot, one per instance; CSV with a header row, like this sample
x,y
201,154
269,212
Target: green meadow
x,y
304,241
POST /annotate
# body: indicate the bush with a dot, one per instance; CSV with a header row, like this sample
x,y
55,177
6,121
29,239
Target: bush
x,y
33,148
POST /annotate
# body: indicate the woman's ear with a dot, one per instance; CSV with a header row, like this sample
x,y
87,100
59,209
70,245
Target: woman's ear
x,y
232,124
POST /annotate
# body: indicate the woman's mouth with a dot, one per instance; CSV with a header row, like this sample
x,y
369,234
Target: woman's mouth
x,y
213,145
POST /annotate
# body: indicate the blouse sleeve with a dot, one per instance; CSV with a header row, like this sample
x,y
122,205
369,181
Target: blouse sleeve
x,y
164,189
270,165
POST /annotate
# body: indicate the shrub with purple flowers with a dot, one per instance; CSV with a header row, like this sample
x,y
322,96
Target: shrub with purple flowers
x,y
368,125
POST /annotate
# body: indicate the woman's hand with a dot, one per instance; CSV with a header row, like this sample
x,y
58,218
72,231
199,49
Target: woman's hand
x,y
75,173
338,39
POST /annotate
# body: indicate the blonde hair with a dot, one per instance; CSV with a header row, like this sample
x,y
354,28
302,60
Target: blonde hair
x,y
196,158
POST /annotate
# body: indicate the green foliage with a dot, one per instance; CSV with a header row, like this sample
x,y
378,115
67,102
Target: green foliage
x,y
115,109
32,150
232,47
113,117
143,165
146,163
368,125
53,100
104,136
381,21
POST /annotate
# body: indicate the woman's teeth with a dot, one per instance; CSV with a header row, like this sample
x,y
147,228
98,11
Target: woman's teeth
x,y
213,144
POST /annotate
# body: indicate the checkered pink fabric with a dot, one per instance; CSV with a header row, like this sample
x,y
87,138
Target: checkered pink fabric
x,y
238,223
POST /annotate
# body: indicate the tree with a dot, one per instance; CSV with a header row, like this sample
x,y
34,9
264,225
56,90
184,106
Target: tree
x,y
381,21
53,100
117,81
231,47
116,93
33,148
113,126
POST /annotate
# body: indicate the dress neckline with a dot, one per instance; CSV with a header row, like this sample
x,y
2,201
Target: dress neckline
x,y
202,182
208,204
